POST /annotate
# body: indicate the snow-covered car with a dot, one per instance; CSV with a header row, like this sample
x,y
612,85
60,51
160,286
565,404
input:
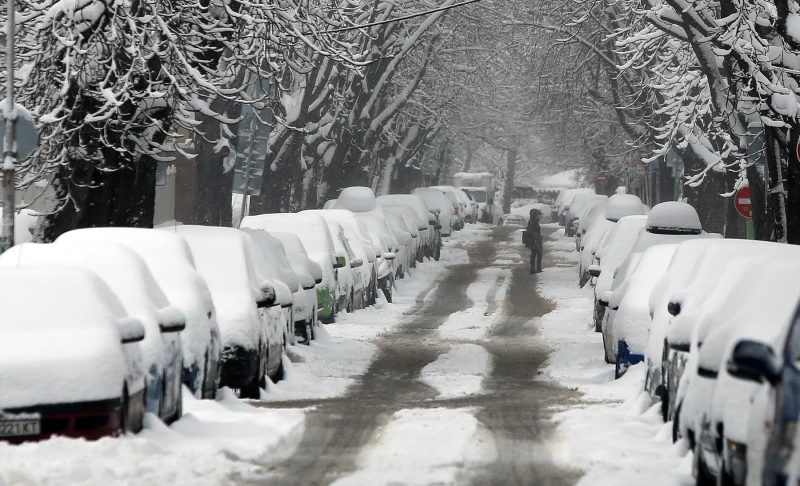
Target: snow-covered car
x,y
310,274
361,201
770,364
524,212
579,204
565,200
170,261
628,328
352,281
374,267
417,227
657,355
711,275
619,245
406,235
432,236
470,207
458,206
71,367
285,280
437,201
313,232
127,275
731,414
231,264
595,233
512,219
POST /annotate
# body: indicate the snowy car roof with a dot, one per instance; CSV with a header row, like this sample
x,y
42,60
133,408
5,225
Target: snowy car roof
x,y
357,199
621,205
673,217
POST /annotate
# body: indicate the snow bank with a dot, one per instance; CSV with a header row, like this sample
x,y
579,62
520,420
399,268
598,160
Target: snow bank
x,y
214,441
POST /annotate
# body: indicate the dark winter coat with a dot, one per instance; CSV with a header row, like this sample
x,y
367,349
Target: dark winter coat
x,y
534,234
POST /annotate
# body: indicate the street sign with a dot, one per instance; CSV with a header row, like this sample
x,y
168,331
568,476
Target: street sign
x,y
742,202
602,178
797,148
25,133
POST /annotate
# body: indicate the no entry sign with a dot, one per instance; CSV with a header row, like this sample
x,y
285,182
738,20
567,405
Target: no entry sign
x,y
742,201
602,178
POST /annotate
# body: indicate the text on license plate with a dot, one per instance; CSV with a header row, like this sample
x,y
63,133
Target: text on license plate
x,y
19,428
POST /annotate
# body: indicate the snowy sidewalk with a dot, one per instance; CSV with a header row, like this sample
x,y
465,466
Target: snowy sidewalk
x,y
615,437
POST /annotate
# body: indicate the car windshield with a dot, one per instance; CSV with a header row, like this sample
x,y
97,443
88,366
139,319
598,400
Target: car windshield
x,y
479,196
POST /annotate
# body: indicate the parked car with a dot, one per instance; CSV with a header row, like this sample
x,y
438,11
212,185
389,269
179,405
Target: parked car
x,y
628,318
170,261
310,274
285,280
375,268
142,298
70,363
252,343
471,210
313,232
406,235
433,236
362,203
619,245
458,206
413,225
437,201
352,284
565,199
577,207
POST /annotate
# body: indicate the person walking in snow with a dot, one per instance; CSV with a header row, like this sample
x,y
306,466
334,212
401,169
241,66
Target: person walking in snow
x,y
535,241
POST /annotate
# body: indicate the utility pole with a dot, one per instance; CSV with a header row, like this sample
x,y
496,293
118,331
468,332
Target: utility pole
x,y
9,151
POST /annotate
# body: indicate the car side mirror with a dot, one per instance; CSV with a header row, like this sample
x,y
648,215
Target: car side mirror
x,y
318,281
681,347
340,262
171,319
754,361
268,297
389,255
437,226
131,330
674,308
356,263
594,270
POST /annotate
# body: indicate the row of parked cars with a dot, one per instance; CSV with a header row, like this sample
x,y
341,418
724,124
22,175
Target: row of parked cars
x,y
107,324
715,323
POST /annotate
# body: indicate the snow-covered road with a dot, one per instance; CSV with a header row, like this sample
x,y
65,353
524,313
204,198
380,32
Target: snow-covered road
x,y
479,373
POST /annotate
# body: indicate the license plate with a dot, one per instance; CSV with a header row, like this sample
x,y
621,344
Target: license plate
x,y
19,427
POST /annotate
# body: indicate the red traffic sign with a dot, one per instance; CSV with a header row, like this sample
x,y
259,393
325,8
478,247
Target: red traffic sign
x,y
742,202
797,148
602,178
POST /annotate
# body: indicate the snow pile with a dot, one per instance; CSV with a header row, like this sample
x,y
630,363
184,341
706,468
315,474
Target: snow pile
x,y
458,372
214,441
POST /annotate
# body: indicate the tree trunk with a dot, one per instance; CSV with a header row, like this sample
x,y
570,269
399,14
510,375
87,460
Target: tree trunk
x,y
511,168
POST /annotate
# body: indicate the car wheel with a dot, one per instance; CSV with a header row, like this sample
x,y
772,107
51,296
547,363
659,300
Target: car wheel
x,y
251,390
125,413
308,333
702,476
676,425
278,376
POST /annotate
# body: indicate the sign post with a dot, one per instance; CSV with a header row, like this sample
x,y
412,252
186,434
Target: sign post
x,y
744,206
9,154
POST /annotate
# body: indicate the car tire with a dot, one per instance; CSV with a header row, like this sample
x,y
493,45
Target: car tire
x,y
702,476
308,333
388,294
278,376
125,413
